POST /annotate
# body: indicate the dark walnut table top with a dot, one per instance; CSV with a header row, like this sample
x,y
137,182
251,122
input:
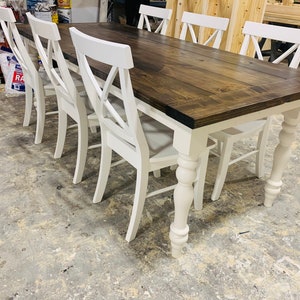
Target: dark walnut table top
x,y
194,84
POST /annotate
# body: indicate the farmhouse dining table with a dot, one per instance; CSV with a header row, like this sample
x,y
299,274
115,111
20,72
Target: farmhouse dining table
x,y
197,90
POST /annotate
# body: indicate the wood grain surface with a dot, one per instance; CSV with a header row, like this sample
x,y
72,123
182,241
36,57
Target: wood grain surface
x,y
194,84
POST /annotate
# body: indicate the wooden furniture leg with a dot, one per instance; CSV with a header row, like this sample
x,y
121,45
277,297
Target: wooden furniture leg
x,y
183,198
281,155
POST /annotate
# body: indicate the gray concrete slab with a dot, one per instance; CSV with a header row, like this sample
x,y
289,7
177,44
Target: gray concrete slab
x,y
56,244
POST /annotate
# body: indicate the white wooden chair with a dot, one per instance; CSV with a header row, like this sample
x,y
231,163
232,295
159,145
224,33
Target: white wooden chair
x,y
228,137
142,141
71,102
37,87
218,24
161,15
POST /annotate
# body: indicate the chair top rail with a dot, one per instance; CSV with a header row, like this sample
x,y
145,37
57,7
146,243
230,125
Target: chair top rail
x,y
214,22
254,30
274,32
158,12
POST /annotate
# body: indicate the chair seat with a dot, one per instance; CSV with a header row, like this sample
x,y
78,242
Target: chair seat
x,y
159,138
248,128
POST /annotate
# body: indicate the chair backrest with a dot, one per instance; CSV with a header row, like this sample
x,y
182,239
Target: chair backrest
x,y
163,14
125,130
218,24
253,31
61,77
7,20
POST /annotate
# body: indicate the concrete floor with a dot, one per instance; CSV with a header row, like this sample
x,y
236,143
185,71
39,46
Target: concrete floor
x,y
56,244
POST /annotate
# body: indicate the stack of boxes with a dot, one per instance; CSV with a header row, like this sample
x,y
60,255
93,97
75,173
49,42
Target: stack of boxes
x,y
57,11
64,11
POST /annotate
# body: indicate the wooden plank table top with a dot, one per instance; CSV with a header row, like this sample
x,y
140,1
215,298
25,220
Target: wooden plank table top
x,y
196,90
194,84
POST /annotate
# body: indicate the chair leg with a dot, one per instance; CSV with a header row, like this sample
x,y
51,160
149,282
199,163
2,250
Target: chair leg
x,y
261,145
82,149
40,113
157,173
138,202
105,164
61,136
173,168
200,182
28,105
222,169
93,129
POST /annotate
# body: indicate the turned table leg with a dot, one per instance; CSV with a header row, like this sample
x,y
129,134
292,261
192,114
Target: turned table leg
x,y
281,156
183,198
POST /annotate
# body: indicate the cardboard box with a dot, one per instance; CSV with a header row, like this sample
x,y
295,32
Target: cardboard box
x,y
44,15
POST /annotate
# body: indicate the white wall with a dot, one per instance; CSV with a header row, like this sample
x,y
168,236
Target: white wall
x,y
85,11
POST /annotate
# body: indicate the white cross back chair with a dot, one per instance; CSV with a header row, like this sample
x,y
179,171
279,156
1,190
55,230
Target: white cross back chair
x,y
71,102
37,87
162,15
218,24
228,137
142,141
